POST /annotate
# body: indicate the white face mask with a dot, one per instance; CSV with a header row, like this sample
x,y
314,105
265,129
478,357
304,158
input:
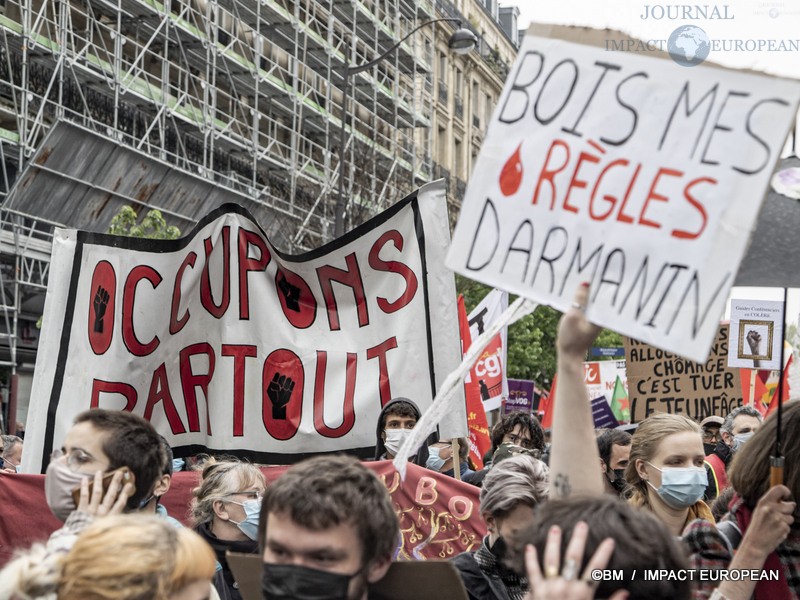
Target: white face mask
x,y
395,439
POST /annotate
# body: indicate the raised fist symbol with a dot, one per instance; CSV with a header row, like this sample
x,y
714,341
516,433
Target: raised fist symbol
x,y
100,303
291,293
753,340
280,393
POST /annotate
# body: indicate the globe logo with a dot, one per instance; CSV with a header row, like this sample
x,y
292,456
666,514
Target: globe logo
x,y
688,45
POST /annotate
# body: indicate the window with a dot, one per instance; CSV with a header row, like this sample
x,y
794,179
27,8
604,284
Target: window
x,y
459,89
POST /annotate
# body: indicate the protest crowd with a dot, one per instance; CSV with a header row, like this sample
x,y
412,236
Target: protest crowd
x,y
636,507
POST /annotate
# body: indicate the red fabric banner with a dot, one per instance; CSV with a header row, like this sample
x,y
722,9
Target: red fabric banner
x,y
479,441
439,516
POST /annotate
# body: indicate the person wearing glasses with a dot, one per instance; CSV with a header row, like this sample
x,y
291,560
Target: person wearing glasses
x,y
225,508
519,429
12,453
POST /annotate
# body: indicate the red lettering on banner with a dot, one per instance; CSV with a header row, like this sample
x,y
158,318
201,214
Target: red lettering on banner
x,y
175,323
133,344
379,352
548,174
391,266
102,299
425,493
297,301
159,392
113,387
191,380
239,352
351,277
282,383
206,297
578,183
348,412
653,195
247,264
681,234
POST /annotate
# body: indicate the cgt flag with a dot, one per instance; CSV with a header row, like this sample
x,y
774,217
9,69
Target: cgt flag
x,y
226,344
479,442
490,369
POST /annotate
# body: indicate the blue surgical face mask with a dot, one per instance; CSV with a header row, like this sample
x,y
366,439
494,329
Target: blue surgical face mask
x,y
178,464
434,462
681,487
249,526
739,440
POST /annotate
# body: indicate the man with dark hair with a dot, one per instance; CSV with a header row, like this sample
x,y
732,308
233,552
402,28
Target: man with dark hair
x,y
519,428
395,423
326,525
614,447
642,543
740,424
151,505
101,441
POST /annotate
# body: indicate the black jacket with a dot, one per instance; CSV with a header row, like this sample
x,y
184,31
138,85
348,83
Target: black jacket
x,y
479,585
224,582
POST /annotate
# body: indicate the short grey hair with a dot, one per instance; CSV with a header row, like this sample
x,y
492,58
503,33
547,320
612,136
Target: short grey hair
x,y
9,441
747,411
520,479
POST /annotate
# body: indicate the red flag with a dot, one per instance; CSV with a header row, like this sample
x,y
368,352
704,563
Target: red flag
x,y
479,441
774,401
547,419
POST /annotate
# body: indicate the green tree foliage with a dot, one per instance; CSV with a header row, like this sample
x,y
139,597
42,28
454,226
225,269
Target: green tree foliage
x,y
153,225
532,339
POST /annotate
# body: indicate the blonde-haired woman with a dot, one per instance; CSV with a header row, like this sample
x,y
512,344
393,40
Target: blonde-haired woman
x,y
225,512
121,557
666,471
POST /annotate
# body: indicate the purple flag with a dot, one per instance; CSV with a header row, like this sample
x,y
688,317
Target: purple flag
x,y
521,396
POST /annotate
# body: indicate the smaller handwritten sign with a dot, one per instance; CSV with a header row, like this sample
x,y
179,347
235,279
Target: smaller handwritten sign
x,y
756,334
659,381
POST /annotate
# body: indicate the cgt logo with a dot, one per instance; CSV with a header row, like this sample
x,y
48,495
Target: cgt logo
x,y
491,366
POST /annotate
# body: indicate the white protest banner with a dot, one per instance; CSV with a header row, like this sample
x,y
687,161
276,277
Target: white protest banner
x,y
600,377
225,343
631,172
756,334
491,366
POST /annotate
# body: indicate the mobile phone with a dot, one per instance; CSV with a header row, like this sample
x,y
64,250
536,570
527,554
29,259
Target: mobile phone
x,y
127,476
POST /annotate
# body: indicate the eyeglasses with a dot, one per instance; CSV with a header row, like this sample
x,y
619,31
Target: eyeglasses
x,y
251,494
517,440
75,459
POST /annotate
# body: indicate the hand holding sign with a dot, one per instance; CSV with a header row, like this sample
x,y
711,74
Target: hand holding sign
x,y
280,393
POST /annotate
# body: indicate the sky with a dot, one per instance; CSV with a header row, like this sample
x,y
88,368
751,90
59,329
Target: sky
x,y
751,19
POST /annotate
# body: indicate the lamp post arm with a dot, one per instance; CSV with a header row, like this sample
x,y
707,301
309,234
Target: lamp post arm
x,y
350,70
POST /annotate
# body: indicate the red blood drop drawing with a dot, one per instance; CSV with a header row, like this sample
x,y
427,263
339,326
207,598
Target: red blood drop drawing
x,y
511,175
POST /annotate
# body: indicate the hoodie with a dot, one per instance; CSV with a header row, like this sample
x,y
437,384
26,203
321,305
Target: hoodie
x,y
380,449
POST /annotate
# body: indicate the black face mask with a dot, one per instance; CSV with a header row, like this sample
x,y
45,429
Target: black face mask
x,y
618,483
709,448
499,549
293,582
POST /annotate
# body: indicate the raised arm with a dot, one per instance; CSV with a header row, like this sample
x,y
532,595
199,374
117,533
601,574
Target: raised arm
x,y
574,458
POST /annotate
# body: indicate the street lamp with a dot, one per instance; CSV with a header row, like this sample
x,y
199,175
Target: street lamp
x,y
461,42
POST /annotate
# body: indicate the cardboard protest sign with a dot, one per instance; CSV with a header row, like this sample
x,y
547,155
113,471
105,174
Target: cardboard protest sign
x,y
756,334
628,171
660,381
490,369
225,343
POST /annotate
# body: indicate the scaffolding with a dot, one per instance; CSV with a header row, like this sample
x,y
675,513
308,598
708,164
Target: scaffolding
x,y
246,94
